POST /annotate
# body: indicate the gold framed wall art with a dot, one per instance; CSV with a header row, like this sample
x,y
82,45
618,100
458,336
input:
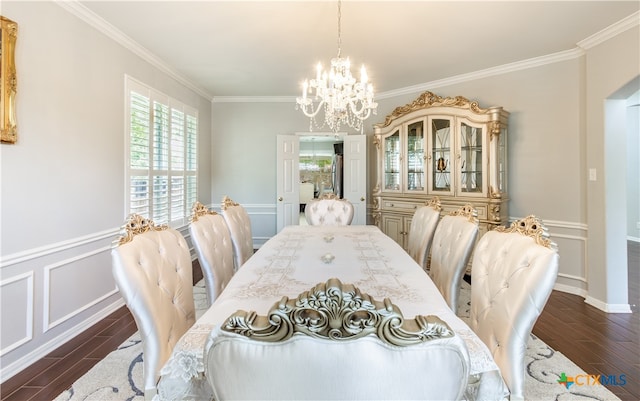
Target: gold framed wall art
x,y
8,80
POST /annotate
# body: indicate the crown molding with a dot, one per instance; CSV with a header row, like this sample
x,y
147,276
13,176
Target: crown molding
x,y
82,12
488,72
253,99
499,70
91,18
611,31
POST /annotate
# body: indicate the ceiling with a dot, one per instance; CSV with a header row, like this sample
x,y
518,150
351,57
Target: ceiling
x,y
268,48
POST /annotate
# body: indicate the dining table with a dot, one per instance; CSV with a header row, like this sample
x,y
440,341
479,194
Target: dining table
x,y
298,258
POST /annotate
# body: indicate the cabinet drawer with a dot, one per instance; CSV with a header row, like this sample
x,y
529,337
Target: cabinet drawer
x,y
482,210
397,205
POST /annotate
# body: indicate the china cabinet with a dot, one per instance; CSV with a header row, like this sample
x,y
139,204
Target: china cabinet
x,y
445,147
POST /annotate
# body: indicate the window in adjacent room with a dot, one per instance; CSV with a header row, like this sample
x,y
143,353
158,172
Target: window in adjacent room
x,y
161,155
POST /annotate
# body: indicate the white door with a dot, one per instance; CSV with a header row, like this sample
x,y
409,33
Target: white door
x,y
288,188
355,175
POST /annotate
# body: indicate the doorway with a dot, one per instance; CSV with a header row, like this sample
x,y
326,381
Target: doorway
x,y
621,206
306,160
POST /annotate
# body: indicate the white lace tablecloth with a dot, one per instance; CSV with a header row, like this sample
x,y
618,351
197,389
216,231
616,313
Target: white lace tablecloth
x,y
298,258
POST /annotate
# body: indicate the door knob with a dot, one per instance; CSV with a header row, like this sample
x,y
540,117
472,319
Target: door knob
x,y
362,199
280,199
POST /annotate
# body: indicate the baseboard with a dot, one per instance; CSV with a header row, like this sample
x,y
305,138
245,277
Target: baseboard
x,y
569,289
609,308
596,303
16,367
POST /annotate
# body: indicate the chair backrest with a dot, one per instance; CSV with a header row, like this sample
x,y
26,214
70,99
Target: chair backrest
x,y
239,225
306,192
423,225
422,359
328,210
212,242
453,242
512,275
152,269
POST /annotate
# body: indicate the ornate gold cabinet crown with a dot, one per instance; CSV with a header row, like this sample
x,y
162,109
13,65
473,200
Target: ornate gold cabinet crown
x,y
445,147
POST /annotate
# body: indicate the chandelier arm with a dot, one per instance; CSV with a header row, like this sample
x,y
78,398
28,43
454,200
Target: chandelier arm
x,y
315,113
353,106
366,115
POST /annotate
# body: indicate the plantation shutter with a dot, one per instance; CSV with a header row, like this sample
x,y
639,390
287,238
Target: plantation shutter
x,y
162,155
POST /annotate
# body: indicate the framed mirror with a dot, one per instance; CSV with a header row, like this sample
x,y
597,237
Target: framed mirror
x,y
8,80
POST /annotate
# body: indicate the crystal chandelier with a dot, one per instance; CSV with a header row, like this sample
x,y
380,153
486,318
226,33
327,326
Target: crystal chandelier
x,y
344,100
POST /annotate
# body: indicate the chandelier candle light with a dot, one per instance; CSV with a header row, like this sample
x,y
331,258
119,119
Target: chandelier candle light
x,y
344,100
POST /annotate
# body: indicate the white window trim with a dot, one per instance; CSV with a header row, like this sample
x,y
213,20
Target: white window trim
x,y
153,95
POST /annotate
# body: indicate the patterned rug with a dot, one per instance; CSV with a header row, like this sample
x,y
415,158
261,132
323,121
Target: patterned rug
x,y
119,376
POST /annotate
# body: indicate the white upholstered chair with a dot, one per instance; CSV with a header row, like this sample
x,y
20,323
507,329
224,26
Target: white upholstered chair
x,y
254,357
212,242
423,225
512,275
306,194
152,269
453,242
328,210
239,225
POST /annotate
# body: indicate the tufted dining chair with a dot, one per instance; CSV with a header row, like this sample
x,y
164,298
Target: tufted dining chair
x,y
328,210
513,272
212,242
423,225
239,225
306,194
453,242
390,358
152,269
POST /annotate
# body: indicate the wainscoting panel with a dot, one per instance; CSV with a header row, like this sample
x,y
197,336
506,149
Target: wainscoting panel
x,y
74,285
571,239
52,293
16,301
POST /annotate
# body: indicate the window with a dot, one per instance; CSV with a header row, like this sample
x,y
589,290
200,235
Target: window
x,y
161,149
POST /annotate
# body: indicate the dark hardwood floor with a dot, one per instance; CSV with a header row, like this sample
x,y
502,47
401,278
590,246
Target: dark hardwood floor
x,y
600,343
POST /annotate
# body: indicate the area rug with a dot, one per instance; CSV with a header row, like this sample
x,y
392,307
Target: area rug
x,y
119,376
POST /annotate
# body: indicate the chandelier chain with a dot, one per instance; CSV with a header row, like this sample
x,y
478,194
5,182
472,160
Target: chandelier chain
x,y
339,27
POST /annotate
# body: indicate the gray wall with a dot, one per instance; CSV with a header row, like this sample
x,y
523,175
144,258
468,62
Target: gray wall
x,y
62,198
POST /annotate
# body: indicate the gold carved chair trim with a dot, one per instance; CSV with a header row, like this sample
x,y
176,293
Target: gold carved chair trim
x,y
135,225
467,211
530,226
337,311
227,203
434,203
329,195
198,210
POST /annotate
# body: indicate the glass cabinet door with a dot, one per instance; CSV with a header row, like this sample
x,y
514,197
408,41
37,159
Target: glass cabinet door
x,y
391,162
415,156
440,157
471,159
